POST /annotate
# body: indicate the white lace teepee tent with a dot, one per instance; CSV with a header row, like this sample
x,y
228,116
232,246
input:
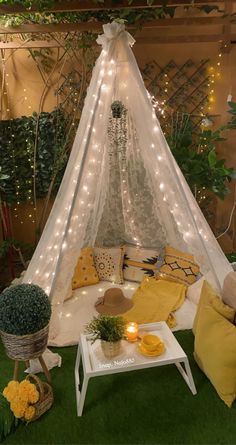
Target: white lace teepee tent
x,y
121,183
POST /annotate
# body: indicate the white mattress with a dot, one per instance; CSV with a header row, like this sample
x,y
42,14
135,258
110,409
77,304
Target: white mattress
x,y
80,309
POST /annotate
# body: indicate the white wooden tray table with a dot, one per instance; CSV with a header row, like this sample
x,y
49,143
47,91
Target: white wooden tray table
x,y
130,359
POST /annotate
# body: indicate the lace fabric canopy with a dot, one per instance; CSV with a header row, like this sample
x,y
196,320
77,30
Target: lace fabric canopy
x,y
121,183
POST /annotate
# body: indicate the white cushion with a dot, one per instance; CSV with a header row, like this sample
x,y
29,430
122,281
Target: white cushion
x,y
109,263
194,290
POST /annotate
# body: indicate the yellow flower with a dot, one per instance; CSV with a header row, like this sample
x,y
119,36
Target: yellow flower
x,y
29,413
24,385
18,408
11,390
23,396
33,395
28,391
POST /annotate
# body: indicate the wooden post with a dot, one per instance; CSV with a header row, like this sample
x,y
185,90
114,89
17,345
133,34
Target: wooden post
x,y
16,370
45,369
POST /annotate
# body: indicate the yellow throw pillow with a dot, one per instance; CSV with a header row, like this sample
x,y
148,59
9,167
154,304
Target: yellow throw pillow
x,y
85,272
215,351
208,294
178,266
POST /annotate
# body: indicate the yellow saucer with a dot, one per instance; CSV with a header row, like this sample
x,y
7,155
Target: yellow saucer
x,y
159,351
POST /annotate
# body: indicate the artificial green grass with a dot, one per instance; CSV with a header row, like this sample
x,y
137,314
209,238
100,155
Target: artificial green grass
x,y
152,406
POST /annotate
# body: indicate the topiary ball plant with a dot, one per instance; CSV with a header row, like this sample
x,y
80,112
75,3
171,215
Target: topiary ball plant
x,y
24,309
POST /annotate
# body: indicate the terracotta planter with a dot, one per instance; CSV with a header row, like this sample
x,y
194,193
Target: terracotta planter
x,y
111,349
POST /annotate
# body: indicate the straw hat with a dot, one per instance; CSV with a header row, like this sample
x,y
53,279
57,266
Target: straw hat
x,y
113,302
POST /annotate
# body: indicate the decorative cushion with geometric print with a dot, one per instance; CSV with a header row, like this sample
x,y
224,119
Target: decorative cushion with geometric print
x,y
109,263
178,266
139,263
85,273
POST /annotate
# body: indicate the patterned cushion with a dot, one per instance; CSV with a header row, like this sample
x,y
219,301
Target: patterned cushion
x,y
139,263
85,272
178,266
109,263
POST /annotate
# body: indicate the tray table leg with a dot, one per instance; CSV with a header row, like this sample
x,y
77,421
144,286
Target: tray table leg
x,y
80,393
187,375
81,396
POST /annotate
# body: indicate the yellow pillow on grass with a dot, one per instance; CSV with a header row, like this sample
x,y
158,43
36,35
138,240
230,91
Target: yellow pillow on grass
x,y
215,349
85,272
178,266
208,294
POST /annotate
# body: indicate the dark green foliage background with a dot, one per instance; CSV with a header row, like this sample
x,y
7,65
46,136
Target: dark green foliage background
x,y
17,142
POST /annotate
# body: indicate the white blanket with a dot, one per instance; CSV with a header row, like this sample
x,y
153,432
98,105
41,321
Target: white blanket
x,y
80,309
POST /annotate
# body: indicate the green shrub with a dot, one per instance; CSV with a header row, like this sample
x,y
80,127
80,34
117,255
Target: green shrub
x,y
24,309
106,327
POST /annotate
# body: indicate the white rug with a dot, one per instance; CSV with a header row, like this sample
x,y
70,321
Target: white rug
x,y
79,310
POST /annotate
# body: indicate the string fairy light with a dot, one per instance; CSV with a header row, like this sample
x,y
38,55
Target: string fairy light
x,y
214,74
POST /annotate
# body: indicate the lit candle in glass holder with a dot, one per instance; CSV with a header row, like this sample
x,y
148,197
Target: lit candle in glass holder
x,y
131,331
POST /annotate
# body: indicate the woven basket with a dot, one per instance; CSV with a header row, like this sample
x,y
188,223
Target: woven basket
x,y
110,349
25,347
45,396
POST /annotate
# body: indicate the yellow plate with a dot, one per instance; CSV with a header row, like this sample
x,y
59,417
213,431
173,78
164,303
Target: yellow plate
x,y
151,353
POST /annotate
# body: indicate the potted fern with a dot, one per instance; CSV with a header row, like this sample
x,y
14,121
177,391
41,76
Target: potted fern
x,y
25,311
110,330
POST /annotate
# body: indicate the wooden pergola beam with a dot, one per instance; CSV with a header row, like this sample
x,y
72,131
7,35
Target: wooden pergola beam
x,y
141,40
88,5
183,39
226,44
97,26
31,44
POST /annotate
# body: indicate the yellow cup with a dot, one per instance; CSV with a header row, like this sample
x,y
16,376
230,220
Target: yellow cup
x,y
150,342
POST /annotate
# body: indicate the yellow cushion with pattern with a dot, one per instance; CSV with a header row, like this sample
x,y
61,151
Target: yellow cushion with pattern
x,y
178,266
85,272
215,351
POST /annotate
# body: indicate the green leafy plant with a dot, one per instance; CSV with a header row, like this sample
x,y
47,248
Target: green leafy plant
x,y
231,257
106,327
195,152
7,419
24,309
17,142
131,16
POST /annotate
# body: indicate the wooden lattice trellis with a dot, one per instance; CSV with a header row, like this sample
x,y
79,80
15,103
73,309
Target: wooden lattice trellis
x,y
180,89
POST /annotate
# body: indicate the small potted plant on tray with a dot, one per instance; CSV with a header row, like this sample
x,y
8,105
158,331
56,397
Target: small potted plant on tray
x,y
25,311
110,330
